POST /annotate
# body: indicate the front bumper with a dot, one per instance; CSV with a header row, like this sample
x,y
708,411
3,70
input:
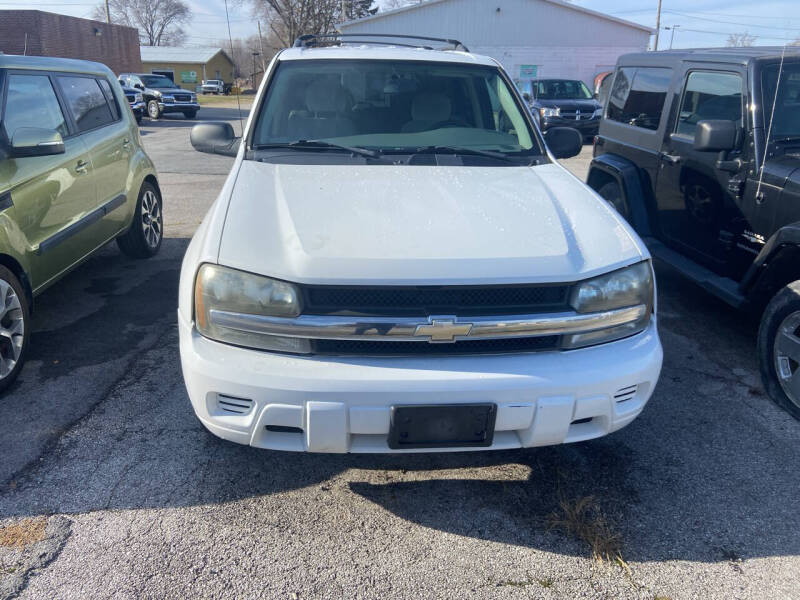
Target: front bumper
x,y
343,404
139,108
172,107
585,127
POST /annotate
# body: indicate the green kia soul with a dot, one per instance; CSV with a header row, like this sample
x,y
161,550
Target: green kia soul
x,y
73,176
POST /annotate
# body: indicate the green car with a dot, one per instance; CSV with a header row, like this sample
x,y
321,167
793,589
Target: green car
x,y
73,176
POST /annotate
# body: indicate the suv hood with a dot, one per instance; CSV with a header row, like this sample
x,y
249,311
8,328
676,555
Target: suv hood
x,y
420,225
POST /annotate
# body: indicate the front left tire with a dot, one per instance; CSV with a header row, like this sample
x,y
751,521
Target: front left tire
x,y
153,111
143,238
15,327
779,349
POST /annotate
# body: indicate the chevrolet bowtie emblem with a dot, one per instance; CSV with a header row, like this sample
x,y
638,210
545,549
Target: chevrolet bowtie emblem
x,y
443,330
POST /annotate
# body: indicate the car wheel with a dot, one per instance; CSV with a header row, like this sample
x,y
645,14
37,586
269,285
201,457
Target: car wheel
x,y
612,193
15,327
779,349
139,119
144,236
153,111
190,114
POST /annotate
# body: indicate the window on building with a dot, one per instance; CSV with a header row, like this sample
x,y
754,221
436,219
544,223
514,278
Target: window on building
x,y
86,102
32,102
638,95
709,95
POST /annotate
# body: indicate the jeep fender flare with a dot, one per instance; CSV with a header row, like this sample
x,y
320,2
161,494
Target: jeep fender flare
x,y
626,174
777,265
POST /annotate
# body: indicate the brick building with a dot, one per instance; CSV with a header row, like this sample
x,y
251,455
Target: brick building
x,y
38,33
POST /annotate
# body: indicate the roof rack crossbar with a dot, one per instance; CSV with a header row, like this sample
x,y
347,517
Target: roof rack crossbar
x,y
311,40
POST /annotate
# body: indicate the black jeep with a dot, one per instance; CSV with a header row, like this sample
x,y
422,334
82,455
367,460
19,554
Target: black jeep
x,y
700,151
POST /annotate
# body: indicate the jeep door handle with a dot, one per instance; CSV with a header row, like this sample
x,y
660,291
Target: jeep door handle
x,y
81,167
672,159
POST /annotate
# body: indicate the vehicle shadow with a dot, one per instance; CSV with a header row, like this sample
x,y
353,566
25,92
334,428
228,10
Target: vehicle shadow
x,y
707,473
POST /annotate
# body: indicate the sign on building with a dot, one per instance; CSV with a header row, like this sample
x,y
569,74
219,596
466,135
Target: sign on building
x,y
188,76
528,71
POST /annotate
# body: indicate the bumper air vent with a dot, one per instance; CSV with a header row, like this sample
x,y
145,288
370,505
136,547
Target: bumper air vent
x,y
231,404
626,393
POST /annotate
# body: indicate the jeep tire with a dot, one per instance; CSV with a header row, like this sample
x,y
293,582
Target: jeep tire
x,y
612,194
779,349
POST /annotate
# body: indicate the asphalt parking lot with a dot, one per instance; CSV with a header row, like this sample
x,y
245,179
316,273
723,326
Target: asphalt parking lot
x,y
110,488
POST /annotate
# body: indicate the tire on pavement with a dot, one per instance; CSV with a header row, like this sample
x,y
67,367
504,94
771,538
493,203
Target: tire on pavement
x,y
15,327
143,238
190,114
779,349
612,193
153,111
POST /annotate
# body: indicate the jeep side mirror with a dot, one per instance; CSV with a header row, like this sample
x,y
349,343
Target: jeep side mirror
x,y
34,141
564,142
215,138
715,136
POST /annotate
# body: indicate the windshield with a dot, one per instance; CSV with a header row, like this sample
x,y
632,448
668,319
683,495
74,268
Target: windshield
x,y
561,89
157,81
786,121
393,107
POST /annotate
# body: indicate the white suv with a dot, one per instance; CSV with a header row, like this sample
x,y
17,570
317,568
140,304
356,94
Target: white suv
x,y
396,263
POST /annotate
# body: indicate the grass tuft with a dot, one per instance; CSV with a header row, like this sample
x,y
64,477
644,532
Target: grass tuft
x,y
24,533
584,520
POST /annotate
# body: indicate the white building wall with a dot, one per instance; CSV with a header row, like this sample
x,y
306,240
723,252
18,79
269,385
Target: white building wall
x,y
562,41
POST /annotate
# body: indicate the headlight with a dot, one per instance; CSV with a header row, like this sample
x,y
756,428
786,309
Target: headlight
x,y
629,287
157,94
138,98
547,111
220,290
598,112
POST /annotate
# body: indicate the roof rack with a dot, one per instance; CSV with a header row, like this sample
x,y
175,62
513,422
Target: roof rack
x,y
315,40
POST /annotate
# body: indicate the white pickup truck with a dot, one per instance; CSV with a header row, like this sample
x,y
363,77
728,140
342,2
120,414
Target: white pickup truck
x,y
398,263
213,86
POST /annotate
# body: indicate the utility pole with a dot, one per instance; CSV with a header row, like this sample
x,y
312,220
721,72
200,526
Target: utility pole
x,y
658,25
108,13
672,37
254,70
261,45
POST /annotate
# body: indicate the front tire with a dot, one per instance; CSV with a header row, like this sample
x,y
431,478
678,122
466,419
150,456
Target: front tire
x,y
144,236
15,329
612,193
779,349
153,110
190,114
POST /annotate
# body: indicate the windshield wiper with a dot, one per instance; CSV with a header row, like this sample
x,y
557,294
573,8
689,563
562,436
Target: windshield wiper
x,y
319,144
460,150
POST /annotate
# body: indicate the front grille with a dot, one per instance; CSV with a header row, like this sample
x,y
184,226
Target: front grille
x,y
463,301
370,348
571,115
182,97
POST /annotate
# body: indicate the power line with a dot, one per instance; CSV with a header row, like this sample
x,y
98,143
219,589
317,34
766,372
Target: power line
x,y
675,12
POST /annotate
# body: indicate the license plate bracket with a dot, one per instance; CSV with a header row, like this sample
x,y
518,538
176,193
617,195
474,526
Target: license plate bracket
x,y
442,425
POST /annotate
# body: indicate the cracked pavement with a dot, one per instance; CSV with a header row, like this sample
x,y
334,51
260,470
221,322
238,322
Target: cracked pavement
x,y
142,502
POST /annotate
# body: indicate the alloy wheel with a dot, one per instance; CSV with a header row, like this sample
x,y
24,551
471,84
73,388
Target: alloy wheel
x,y
152,222
787,356
12,328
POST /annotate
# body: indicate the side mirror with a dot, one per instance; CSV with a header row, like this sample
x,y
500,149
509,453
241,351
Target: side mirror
x,y
564,142
215,138
138,86
715,136
33,141
526,96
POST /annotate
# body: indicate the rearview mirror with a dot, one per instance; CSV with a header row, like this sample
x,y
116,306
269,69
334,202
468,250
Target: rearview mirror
x,y
715,136
215,138
564,142
33,141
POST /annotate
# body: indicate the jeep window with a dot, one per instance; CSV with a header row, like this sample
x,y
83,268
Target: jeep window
x,y
86,102
638,95
709,95
561,89
394,107
32,102
786,120
157,81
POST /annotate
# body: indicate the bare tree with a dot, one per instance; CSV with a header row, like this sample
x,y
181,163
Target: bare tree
x,y
738,40
159,21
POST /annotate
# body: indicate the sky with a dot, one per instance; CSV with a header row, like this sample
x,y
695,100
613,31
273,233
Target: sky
x,y
699,22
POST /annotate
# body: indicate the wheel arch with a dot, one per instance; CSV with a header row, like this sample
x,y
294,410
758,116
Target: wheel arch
x,y
13,265
777,265
611,168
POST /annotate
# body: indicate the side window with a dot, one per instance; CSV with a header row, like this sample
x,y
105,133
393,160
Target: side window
x,y
32,102
86,102
638,95
709,95
112,101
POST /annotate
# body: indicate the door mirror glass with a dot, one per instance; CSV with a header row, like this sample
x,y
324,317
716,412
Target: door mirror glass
x,y
564,142
215,138
715,136
33,141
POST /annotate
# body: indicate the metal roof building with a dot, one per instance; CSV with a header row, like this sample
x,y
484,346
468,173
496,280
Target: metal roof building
x,y
530,38
187,67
